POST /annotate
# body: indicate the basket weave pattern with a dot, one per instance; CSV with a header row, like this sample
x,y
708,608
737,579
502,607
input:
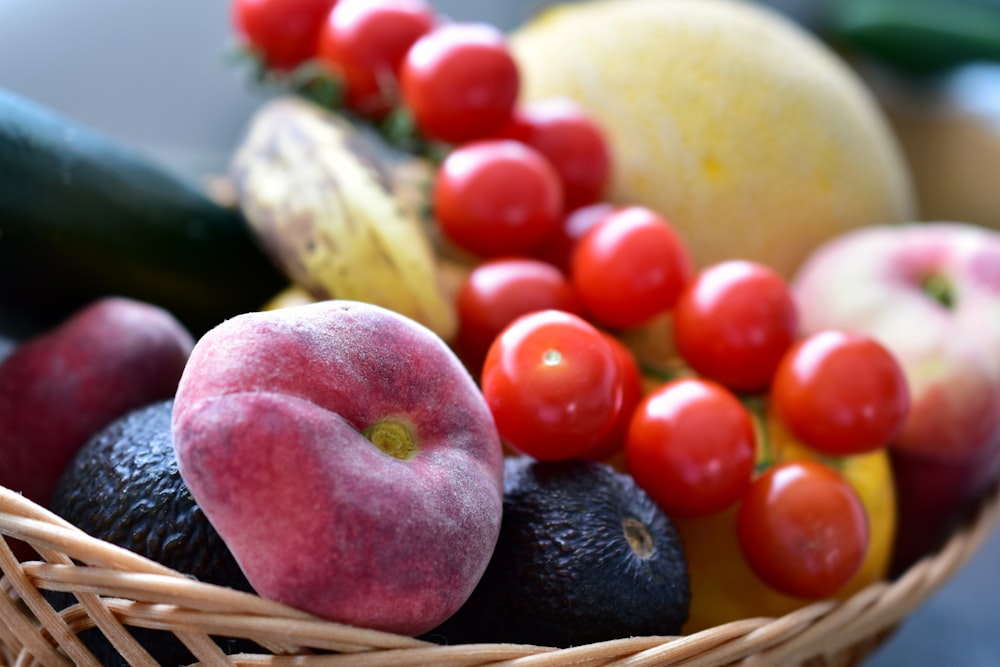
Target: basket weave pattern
x,y
116,588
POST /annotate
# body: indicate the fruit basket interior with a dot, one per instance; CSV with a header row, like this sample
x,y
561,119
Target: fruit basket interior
x,y
117,589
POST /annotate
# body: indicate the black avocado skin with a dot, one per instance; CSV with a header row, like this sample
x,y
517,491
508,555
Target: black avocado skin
x,y
584,555
124,487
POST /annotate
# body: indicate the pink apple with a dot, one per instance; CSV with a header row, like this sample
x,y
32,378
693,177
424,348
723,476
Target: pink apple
x,y
930,292
347,459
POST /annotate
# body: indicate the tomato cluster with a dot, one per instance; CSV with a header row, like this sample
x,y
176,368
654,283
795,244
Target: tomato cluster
x,y
559,389
559,273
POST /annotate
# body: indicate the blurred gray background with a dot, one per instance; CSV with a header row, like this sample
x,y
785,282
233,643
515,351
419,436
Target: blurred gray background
x,y
157,75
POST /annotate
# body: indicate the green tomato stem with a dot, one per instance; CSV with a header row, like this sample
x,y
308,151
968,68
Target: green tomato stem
x,y
755,406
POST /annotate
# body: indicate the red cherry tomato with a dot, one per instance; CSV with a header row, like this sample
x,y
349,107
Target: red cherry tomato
x,y
614,441
571,140
282,32
497,197
558,250
691,446
552,383
803,529
365,41
629,267
734,322
841,393
460,82
497,292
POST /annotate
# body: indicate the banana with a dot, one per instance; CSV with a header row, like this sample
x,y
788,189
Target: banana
x,y
322,197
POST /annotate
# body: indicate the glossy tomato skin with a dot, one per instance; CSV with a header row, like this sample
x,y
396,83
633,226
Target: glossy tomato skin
x,y
558,250
553,385
364,43
691,446
614,442
497,292
460,82
630,267
841,393
497,197
571,140
724,587
803,529
282,32
734,322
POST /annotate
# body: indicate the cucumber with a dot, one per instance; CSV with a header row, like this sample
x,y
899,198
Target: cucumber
x,y
82,216
918,37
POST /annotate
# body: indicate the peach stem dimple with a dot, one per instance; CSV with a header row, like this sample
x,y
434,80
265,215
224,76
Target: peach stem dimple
x,y
392,437
940,289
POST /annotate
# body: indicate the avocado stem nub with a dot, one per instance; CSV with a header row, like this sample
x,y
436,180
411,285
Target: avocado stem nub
x,y
392,437
638,537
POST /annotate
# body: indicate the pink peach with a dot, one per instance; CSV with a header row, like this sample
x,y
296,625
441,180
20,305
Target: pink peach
x,y
347,459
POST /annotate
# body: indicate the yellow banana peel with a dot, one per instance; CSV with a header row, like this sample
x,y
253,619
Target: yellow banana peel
x,y
319,194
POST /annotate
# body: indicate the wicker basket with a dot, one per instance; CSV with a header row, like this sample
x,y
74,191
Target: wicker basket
x,y
116,588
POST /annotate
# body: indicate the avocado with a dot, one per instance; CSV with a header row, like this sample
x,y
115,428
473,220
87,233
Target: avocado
x,y
124,487
584,555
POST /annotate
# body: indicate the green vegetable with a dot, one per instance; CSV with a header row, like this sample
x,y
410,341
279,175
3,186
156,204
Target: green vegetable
x,y
83,217
917,37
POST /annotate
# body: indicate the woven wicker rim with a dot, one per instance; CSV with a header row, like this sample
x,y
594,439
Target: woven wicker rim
x,y
116,587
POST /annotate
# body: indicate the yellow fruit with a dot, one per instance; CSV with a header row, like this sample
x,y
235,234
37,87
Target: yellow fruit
x,y
745,131
723,588
293,295
322,196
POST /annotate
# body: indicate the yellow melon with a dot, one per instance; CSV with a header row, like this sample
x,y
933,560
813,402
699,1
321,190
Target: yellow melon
x,y
744,130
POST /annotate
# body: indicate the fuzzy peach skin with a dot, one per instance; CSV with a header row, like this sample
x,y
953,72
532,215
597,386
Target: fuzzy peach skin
x,y
62,386
270,424
881,281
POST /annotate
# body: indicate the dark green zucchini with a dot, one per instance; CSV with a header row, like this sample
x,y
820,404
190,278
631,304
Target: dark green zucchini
x,y
917,37
82,216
